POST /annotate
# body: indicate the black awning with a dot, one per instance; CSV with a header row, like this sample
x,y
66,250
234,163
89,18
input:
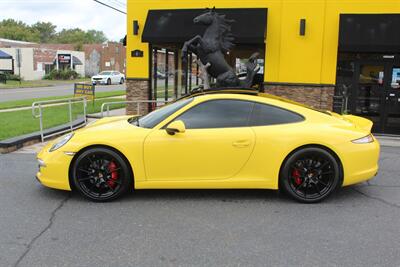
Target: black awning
x,y
76,61
176,26
4,55
369,33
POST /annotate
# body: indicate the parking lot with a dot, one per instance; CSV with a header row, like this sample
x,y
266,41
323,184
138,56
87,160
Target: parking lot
x,y
359,226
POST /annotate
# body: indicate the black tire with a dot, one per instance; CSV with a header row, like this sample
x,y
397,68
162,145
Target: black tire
x,y
101,174
109,81
310,175
122,81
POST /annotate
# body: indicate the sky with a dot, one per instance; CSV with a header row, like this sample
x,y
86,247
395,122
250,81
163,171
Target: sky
x,y
84,14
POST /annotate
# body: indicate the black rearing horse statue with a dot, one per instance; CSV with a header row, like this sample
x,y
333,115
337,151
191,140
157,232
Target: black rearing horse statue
x,y
210,48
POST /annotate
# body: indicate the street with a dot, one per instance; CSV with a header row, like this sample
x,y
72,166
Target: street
x,y
358,226
58,90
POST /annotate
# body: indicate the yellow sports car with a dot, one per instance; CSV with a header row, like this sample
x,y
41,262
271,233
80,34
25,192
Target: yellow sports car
x,y
215,139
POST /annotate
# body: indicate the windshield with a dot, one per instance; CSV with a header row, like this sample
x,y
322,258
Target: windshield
x,y
157,116
105,73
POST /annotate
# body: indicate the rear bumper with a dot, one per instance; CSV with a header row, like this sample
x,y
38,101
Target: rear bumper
x,y
360,162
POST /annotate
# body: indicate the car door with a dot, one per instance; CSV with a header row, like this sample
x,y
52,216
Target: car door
x,y
217,143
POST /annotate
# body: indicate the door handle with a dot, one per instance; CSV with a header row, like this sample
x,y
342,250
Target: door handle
x,y
241,143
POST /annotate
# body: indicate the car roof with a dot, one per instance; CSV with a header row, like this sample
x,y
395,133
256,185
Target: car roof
x,y
251,92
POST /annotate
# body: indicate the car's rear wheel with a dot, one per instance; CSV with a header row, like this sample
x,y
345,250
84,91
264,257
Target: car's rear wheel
x,y
101,174
122,81
310,175
109,82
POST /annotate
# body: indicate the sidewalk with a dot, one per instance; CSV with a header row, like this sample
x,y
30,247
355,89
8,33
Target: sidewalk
x,y
391,141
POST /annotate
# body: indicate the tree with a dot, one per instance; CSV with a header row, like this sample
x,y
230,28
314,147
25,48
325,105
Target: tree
x,y
47,31
76,36
93,36
70,36
17,30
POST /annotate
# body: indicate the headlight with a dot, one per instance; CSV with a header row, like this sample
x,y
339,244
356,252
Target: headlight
x,y
364,140
60,142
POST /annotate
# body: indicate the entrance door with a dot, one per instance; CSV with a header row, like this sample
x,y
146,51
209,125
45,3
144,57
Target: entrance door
x,y
368,92
392,102
376,94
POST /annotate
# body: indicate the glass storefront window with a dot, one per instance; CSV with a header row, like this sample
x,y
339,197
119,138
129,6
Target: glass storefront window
x,y
370,74
171,78
395,78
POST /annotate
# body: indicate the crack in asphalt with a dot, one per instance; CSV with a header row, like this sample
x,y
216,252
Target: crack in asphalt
x,y
48,226
377,199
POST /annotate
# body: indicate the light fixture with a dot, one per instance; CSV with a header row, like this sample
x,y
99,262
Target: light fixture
x,y
302,27
135,27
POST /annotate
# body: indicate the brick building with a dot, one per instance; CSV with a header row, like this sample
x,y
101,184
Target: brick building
x,y
40,59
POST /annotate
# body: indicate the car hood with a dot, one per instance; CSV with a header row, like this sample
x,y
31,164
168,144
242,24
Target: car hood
x,y
108,122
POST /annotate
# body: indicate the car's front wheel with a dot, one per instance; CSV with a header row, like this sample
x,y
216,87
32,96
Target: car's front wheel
x,y
109,81
101,174
310,175
122,81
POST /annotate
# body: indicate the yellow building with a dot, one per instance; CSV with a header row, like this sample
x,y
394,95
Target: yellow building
x,y
331,54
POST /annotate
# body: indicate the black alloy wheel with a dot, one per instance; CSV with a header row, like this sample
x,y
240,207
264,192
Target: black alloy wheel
x,y
101,174
310,175
109,81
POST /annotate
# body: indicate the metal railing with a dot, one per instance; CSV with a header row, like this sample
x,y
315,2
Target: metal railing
x,y
39,105
340,104
105,107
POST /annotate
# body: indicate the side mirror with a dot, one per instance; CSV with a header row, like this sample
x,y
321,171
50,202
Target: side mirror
x,y
176,127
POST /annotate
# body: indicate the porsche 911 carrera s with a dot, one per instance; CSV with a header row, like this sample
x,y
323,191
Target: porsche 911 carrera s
x,y
215,140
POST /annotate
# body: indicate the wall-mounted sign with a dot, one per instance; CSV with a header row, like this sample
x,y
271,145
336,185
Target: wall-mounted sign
x,y
84,89
64,59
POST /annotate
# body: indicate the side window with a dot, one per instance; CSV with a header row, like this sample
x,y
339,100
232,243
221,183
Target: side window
x,y
269,115
222,113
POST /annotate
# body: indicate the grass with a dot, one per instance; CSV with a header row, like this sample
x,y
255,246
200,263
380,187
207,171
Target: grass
x,y
16,123
38,83
28,102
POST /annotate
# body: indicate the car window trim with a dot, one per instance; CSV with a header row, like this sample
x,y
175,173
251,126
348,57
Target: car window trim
x,y
254,102
284,109
234,99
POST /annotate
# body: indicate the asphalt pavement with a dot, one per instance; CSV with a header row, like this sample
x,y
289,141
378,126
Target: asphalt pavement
x,y
358,226
57,90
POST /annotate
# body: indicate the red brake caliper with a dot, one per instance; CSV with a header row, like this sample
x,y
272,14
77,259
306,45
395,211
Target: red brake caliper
x,y
296,176
112,167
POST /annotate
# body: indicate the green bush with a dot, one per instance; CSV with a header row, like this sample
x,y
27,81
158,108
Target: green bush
x,y
61,75
12,77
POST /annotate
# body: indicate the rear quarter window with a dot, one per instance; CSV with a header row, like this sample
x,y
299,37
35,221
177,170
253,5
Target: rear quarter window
x,y
264,115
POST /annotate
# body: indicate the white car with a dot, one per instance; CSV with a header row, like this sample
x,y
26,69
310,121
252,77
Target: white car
x,y
108,77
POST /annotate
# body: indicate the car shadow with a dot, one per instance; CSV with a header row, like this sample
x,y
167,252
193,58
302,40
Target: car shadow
x,y
223,195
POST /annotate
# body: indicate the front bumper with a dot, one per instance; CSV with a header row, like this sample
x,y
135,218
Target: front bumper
x,y
54,169
95,82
